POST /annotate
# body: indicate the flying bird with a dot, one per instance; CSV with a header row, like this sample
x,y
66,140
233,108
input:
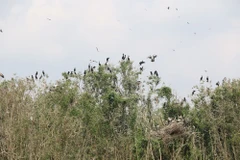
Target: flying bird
x,y
97,49
1,75
142,62
168,8
152,58
1,30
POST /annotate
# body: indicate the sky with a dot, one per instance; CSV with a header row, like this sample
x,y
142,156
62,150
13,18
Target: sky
x,y
31,42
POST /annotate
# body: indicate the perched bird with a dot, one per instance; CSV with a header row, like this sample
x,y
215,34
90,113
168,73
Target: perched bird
x,y
156,73
36,73
32,77
201,78
128,58
218,83
142,62
71,72
184,99
74,69
109,69
107,59
123,56
193,92
97,49
36,77
1,30
152,58
43,73
89,67
207,79
141,68
40,77
84,72
68,72
1,75
151,72
99,64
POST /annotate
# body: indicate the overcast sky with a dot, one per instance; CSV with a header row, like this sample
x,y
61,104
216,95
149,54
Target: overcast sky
x,y
139,28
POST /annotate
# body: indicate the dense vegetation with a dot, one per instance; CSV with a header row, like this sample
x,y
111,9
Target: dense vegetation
x,y
108,113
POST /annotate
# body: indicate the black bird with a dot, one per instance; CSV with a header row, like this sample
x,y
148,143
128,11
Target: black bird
x,y
128,58
207,79
1,75
152,58
218,84
99,63
71,72
74,69
32,77
40,77
107,59
193,92
89,67
109,69
123,56
1,30
36,76
92,69
142,62
184,99
141,68
156,73
68,72
201,78
43,73
36,73
168,7
151,72
84,72
97,49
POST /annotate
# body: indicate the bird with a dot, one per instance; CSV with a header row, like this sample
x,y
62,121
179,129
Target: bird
x,y
201,78
36,73
1,30
168,8
36,76
151,72
193,92
123,56
156,73
141,68
128,58
1,75
184,99
84,72
97,49
74,69
40,77
68,72
107,59
207,79
142,62
32,77
218,83
152,58
43,73
99,63
109,69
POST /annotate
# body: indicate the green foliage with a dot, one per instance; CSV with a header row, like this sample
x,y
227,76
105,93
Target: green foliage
x,y
109,113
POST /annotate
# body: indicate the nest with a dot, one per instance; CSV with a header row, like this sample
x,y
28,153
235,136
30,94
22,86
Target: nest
x,y
170,132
